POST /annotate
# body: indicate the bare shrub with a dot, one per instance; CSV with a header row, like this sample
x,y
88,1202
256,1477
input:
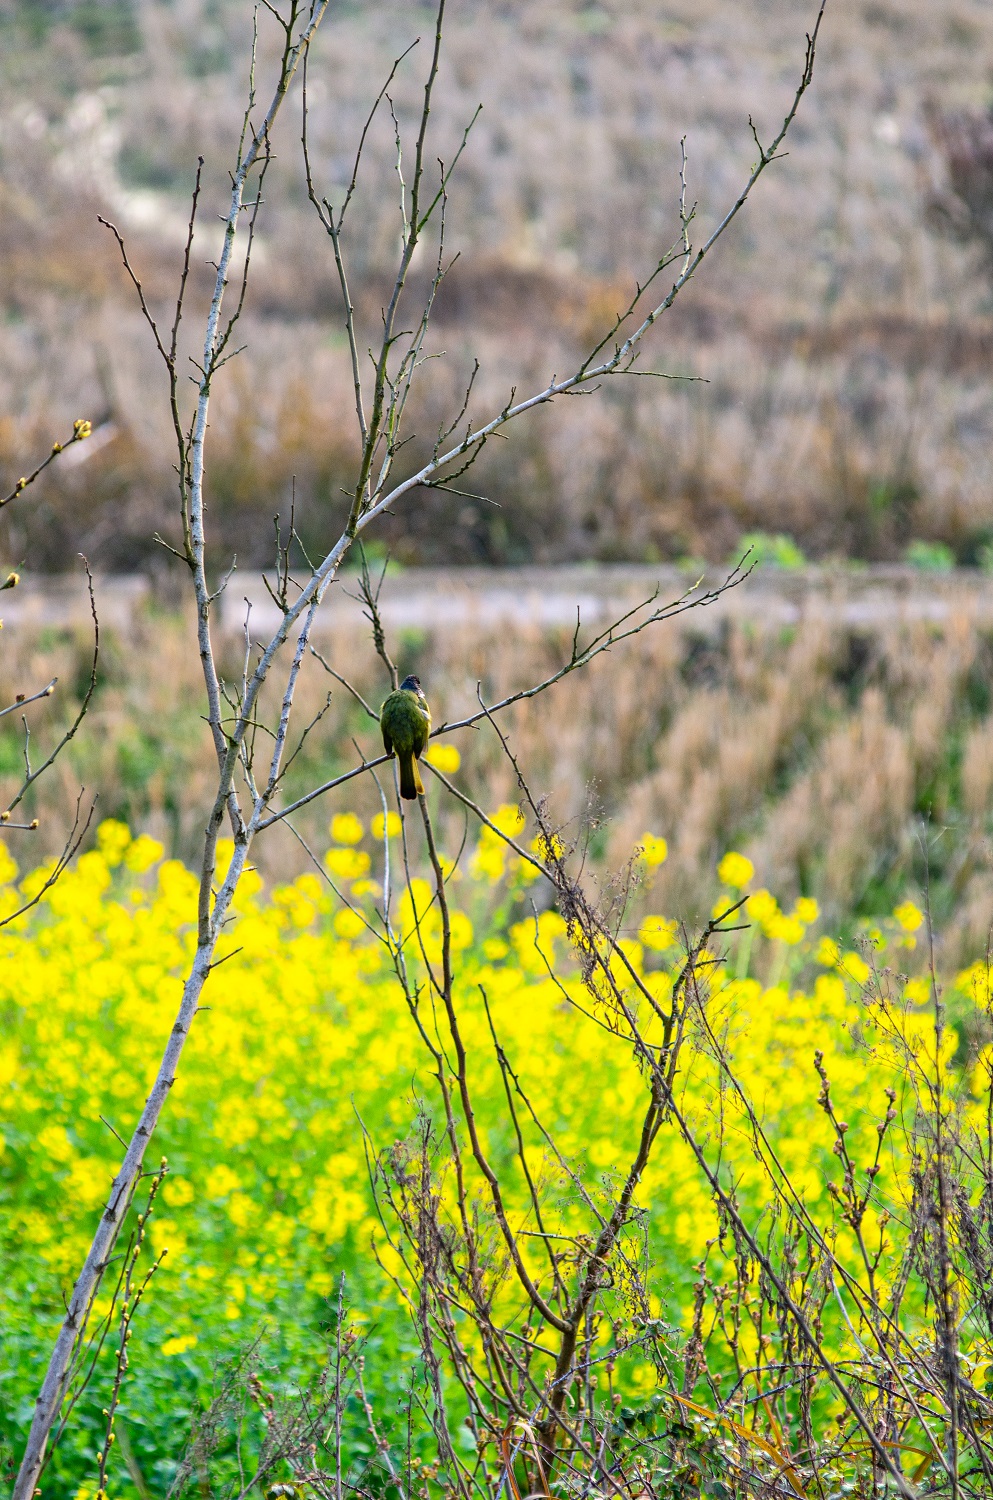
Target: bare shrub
x,y
252,719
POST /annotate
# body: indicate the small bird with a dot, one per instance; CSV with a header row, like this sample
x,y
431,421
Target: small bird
x,y
405,720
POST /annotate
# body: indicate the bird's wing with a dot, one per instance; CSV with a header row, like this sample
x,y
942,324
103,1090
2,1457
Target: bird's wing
x,y
425,728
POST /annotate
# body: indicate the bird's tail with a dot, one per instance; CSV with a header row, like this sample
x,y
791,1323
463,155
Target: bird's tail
x,y
411,786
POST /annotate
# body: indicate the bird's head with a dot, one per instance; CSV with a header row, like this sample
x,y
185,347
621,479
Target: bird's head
x,y
411,684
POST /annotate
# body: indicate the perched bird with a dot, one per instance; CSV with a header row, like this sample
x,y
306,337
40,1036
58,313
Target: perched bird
x,y
405,720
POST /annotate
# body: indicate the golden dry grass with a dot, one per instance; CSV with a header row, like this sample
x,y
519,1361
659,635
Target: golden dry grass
x,y
815,747
845,342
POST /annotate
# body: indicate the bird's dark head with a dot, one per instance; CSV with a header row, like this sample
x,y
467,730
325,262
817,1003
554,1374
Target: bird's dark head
x,y
411,684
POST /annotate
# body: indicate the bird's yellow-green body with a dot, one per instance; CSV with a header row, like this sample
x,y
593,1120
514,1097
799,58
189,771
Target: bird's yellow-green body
x,y
405,720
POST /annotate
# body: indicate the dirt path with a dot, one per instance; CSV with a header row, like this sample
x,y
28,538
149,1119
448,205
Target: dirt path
x,y
523,598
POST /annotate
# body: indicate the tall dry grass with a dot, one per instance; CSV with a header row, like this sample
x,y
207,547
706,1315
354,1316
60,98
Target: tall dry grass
x,y
820,749
845,340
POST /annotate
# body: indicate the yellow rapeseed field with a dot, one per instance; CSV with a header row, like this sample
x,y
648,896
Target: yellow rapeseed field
x,y
307,1061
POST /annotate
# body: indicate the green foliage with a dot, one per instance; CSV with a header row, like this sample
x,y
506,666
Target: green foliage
x,y
931,557
306,1034
770,551
108,27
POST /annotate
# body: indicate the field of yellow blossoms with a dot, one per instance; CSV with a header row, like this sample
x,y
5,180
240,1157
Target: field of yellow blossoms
x,y
267,1198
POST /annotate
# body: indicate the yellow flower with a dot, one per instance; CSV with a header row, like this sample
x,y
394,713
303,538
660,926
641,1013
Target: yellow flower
x,y
113,839
346,828
524,871
445,757
658,933
461,930
89,1181
391,826
982,1074
489,860
806,910
735,870
974,981
178,1191
909,917
220,1181
55,1143
855,966
143,853
348,924
654,851
273,1180
828,953
509,819
917,991
241,1210
347,864
222,859
762,907
785,930
179,1344
416,903
249,885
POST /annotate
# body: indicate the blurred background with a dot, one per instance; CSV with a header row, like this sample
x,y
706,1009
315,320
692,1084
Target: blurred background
x,y
840,418
844,327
